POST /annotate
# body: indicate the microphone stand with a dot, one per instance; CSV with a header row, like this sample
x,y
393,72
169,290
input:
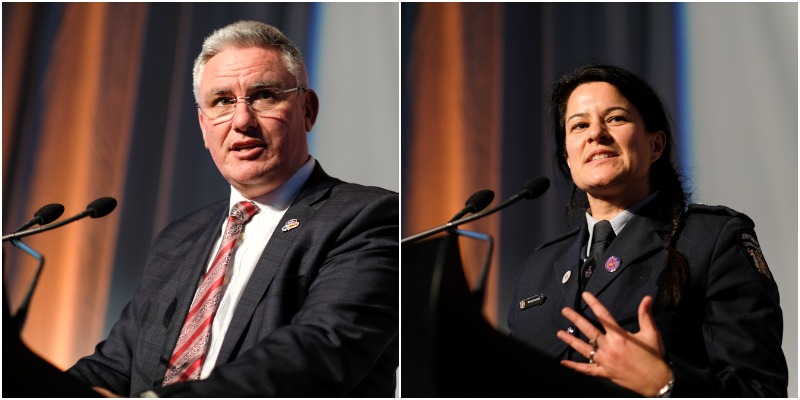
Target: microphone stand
x,y
480,287
22,313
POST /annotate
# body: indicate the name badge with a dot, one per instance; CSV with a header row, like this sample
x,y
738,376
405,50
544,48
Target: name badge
x,y
532,301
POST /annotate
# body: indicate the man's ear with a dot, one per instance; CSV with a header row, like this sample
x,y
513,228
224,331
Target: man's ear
x,y
311,108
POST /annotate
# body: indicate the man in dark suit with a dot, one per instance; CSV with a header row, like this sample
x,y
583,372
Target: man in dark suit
x,y
297,293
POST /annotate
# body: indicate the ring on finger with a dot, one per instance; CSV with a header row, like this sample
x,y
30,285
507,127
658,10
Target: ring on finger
x,y
591,357
594,342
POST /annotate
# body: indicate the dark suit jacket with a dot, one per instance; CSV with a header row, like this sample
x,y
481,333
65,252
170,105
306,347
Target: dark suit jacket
x,y
319,316
724,337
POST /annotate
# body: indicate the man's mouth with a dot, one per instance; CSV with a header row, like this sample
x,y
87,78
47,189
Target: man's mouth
x,y
246,145
244,148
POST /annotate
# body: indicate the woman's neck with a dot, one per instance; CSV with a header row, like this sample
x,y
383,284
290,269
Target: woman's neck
x,y
606,209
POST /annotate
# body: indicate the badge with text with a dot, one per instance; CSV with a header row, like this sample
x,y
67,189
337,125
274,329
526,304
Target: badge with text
x,y
290,224
532,301
748,244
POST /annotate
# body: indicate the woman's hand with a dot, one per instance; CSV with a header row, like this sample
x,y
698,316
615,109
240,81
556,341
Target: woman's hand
x,y
634,361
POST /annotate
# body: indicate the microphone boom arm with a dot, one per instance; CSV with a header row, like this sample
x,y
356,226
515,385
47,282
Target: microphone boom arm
x,y
453,224
18,235
532,189
96,209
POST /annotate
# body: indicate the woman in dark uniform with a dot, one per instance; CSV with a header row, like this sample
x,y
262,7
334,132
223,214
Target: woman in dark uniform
x,y
658,297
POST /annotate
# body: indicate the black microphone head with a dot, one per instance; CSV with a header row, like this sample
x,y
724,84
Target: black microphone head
x,y
535,187
479,200
49,213
101,207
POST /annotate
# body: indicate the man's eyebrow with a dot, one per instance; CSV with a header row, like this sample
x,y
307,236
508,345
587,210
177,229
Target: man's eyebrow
x,y
252,87
263,85
217,92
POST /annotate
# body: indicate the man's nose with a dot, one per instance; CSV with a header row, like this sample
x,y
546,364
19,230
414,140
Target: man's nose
x,y
243,116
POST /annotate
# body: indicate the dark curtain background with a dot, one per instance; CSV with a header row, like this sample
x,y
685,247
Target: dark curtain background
x,y
97,101
486,69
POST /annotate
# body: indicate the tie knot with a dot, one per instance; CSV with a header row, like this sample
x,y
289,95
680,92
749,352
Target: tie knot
x,y
603,232
243,211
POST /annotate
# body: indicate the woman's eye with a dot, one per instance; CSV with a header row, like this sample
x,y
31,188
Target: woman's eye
x,y
580,125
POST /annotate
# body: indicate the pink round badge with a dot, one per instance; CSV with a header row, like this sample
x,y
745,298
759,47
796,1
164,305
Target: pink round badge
x,y
613,263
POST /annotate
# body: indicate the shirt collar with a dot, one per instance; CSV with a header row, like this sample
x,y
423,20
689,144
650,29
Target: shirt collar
x,y
619,222
282,197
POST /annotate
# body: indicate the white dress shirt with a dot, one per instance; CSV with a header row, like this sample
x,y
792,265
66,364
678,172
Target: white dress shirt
x,y
247,252
619,221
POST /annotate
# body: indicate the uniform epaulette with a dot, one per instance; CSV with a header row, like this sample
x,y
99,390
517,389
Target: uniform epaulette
x,y
717,210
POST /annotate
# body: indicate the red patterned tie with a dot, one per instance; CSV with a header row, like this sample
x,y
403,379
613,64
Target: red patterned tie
x,y
190,351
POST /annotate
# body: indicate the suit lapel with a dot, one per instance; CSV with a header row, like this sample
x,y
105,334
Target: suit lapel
x,y
641,237
569,263
307,202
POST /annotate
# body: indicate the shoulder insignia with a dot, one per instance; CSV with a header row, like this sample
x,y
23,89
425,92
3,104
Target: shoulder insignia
x,y
748,243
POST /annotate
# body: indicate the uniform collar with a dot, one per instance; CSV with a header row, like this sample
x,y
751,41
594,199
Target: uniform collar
x,y
622,219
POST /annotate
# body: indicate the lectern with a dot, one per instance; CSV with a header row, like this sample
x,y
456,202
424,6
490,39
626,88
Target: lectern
x,y
25,374
450,350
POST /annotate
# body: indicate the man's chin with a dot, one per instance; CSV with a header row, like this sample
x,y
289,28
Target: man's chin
x,y
256,184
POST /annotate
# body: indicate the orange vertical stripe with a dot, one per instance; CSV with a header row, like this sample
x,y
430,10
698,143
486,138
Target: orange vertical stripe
x,y
90,91
456,125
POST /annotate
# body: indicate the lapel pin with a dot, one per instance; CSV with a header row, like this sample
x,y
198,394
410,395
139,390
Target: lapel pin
x,y
290,224
613,263
566,277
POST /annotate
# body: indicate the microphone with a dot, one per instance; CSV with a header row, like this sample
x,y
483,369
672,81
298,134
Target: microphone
x,y
43,216
531,190
477,202
96,209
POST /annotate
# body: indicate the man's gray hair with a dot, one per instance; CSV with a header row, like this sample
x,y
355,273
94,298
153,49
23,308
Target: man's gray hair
x,y
249,34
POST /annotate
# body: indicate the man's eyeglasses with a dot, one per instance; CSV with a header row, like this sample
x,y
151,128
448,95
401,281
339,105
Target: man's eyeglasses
x,y
221,109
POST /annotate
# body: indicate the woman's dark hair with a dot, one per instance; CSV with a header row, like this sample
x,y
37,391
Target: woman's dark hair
x,y
664,176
